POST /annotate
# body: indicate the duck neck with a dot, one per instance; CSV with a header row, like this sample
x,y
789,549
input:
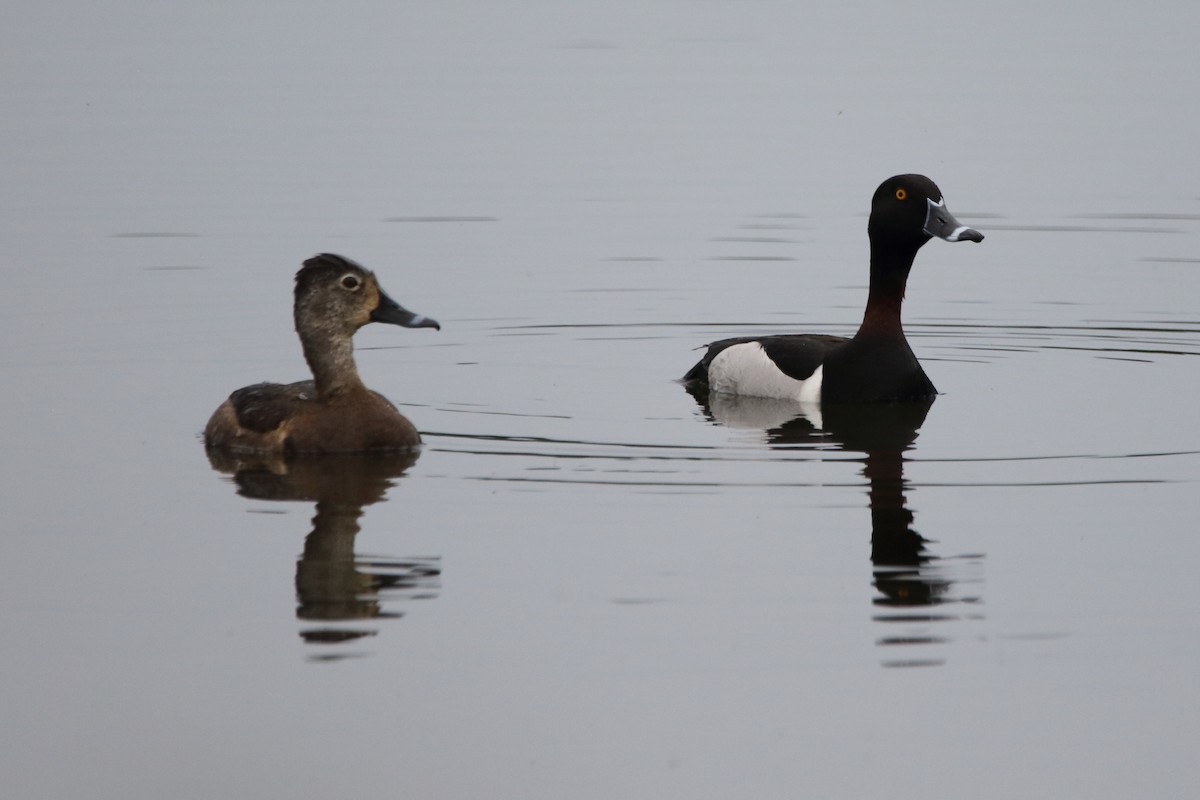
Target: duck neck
x,y
331,359
889,276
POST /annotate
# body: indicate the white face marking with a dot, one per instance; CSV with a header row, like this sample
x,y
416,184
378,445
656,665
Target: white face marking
x,y
745,369
931,213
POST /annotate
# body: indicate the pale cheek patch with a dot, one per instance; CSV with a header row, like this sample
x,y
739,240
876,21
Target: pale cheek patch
x,y
745,369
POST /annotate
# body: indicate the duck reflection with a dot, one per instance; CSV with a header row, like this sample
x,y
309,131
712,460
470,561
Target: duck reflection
x,y
910,579
333,584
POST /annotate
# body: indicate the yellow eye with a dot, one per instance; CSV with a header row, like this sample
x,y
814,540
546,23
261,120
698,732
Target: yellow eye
x,y
901,194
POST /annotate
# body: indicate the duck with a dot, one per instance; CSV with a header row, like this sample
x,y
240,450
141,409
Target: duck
x,y
334,412
876,365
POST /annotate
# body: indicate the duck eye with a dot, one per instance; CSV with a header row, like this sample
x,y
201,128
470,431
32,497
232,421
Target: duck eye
x,y
351,282
901,194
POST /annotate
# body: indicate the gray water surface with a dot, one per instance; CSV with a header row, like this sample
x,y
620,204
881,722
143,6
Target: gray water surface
x,y
589,583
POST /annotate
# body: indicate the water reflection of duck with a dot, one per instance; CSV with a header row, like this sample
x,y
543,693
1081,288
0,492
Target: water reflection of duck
x,y
882,432
332,582
875,366
334,412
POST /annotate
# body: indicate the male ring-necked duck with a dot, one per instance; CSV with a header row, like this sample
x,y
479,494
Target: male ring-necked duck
x,y
334,412
877,365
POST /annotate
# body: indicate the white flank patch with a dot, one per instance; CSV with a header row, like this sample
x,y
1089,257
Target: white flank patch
x,y
745,369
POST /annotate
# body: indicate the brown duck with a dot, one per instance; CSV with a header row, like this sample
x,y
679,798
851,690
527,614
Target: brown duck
x,y
335,412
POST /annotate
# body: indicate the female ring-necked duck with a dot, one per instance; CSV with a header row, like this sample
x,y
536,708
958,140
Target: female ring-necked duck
x,y
334,412
877,365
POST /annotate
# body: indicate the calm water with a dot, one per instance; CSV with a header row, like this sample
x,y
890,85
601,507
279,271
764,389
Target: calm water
x,y
591,584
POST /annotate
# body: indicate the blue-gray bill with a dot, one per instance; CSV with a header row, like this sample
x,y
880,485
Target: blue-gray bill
x,y
941,223
393,313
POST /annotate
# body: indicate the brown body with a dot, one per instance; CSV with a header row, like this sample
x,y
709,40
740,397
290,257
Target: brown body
x,y
334,412
358,419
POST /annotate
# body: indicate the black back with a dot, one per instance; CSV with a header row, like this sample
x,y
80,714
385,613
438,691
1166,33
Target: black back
x,y
796,355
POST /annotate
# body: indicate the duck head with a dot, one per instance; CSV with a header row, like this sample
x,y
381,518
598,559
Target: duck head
x,y
909,210
338,296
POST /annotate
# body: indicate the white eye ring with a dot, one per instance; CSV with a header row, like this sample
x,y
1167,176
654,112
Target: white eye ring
x,y
351,281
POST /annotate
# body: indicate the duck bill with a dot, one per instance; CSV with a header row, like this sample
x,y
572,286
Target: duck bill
x,y
941,223
393,313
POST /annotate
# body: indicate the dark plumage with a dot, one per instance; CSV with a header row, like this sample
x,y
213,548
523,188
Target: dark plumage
x,y
877,364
